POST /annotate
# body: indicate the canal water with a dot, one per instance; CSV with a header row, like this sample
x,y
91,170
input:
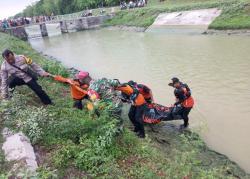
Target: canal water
x,y
215,67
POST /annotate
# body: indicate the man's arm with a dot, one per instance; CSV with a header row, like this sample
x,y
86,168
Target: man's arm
x,y
34,66
62,79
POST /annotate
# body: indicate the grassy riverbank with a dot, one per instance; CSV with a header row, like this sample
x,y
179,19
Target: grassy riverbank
x,y
235,13
75,144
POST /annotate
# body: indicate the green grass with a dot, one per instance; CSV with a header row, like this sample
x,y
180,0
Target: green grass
x,y
3,163
234,16
76,144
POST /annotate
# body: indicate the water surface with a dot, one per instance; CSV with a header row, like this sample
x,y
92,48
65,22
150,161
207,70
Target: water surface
x,y
215,67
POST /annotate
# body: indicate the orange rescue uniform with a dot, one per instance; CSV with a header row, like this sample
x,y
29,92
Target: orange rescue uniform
x,y
78,91
128,90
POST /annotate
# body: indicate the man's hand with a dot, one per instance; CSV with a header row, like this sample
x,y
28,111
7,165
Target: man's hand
x,y
46,74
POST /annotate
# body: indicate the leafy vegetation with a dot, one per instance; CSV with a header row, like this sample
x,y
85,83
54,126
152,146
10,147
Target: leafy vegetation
x,y
236,16
3,163
47,7
75,144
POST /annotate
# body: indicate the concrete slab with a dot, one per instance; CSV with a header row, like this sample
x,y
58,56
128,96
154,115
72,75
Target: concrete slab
x,y
195,17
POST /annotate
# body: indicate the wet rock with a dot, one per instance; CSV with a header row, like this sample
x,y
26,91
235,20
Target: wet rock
x,y
17,148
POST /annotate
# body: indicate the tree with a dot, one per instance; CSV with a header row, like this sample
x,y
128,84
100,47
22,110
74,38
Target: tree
x,y
47,7
28,11
66,6
39,8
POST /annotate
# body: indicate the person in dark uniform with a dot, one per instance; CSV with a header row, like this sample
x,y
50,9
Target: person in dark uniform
x,y
144,90
137,107
183,99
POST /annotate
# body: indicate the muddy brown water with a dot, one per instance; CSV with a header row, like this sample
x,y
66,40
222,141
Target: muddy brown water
x,y
215,67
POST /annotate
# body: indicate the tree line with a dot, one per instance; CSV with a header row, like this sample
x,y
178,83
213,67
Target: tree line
x,y
56,7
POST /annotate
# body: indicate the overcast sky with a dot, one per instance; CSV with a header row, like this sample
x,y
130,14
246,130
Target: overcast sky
x,y
11,7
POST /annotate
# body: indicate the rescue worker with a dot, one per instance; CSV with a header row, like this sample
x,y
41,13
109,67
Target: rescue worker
x,y
15,71
78,86
144,90
136,109
183,98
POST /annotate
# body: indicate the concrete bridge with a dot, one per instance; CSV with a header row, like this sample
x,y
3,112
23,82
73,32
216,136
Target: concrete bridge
x,y
69,23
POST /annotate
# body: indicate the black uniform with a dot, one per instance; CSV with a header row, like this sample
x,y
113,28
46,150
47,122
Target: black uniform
x,y
181,96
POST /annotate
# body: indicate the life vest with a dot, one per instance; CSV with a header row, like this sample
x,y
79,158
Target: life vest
x,y
77,90
130,92
142,89
146,94
189,101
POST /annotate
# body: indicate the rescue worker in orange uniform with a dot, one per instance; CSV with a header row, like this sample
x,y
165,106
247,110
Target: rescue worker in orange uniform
x,y
137,107
144,90
78,87
183,98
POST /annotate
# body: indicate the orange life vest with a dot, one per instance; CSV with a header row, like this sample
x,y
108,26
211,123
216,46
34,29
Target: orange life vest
x,y
128,90
146,95
189,101
77,91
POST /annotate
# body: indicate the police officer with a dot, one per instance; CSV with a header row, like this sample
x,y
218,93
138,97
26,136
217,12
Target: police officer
x,y
14,72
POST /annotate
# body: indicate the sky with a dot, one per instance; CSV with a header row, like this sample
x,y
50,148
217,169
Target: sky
x,y
12,7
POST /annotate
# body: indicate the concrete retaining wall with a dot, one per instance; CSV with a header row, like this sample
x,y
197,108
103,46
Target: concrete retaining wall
x,y
18,32
83,23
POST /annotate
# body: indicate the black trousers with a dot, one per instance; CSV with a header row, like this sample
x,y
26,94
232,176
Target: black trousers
x,y
135,115
78,104
34,86
184,113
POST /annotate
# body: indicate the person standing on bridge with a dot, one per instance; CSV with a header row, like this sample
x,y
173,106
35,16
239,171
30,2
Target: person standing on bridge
x,y
183,99
17,70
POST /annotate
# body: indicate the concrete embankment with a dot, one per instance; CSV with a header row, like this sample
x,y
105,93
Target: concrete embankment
x,y
196,19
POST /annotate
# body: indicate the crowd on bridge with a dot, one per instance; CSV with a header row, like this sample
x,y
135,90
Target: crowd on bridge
x,y
8,23
133,4
21,21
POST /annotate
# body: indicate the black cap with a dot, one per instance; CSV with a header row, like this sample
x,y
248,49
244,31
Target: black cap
x,y
174,80
131,83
